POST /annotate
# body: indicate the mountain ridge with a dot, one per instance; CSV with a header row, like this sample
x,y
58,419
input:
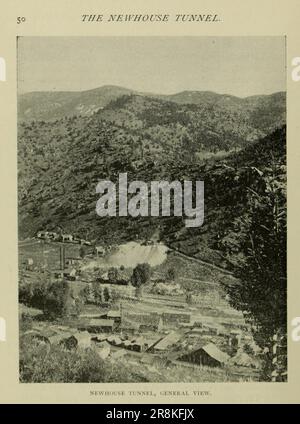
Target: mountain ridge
x,y
52,105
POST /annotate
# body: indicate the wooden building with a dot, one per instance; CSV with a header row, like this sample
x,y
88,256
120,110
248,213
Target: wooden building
x,y
208,355
98,326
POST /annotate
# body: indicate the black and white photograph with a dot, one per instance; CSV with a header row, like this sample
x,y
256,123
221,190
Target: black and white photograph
x,y
152,209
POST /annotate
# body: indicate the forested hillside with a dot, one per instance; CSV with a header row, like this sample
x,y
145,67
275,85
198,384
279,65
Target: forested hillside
x,y
257,114
230,145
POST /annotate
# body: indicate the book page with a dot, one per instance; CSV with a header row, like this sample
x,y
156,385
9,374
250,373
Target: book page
x,y
147,154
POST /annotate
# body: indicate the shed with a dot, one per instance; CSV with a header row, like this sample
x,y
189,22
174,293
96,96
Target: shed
x,y
126,344
138,345
209,355
52,235
67,238
166,342
98,325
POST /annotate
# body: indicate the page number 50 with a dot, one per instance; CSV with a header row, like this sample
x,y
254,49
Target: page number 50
x,y
21,19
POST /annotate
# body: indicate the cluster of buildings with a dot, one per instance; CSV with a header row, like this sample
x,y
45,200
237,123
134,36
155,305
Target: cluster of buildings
x,y
64,237
135,344
170,334
151,348
158,332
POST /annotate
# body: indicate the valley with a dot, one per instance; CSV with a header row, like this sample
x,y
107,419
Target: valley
x,y
146,298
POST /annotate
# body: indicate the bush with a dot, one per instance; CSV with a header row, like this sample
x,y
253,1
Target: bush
x,y
54,299
42,363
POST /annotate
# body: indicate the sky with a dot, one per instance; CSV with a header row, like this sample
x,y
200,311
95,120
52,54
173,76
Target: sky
x,y
241,66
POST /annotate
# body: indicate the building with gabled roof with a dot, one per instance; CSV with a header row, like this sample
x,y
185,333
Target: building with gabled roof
x,y
67,238
138,345
208,355
166,342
